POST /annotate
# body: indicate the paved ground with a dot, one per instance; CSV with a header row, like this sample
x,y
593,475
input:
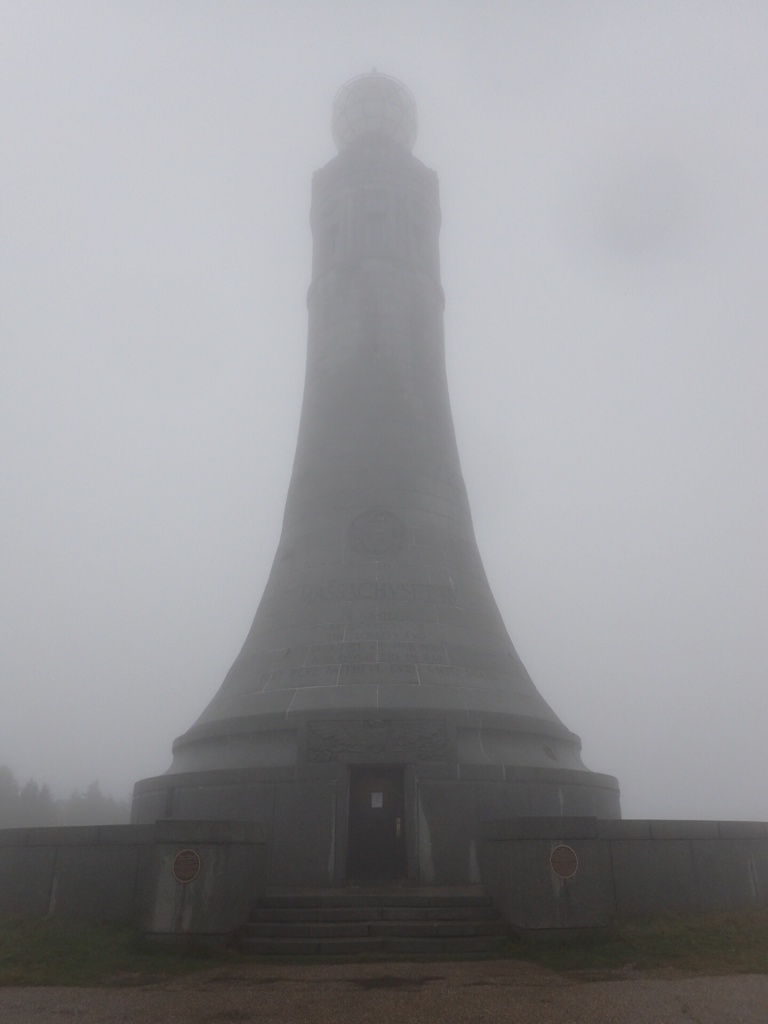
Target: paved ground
x,y
493,992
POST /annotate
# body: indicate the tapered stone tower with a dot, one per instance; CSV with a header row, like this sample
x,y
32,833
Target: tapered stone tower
x,y
378,713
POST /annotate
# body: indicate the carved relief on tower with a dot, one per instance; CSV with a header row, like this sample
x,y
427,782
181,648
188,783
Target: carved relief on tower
x,y
372,739
377,533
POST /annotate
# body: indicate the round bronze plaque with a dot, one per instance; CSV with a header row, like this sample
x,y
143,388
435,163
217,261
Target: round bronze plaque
x,y
376,533
186,866
563,861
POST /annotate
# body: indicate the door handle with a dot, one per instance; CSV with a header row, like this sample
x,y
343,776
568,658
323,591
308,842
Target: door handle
x,y
398,828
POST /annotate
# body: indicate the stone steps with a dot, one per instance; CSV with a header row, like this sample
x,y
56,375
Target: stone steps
x,y
332,922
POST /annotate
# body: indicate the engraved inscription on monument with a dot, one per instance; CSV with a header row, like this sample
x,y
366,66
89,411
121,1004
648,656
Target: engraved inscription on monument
x,y
186,866
375,590
370,739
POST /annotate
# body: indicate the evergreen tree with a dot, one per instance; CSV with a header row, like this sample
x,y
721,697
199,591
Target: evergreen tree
x,y
9,798
36,805
33,805
93,808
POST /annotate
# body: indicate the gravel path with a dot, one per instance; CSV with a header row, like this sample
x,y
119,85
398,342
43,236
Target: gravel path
x,y
494,992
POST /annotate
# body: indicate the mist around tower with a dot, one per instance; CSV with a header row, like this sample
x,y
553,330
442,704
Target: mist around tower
x,y
602,229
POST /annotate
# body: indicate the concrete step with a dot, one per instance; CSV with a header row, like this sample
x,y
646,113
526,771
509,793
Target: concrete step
x,y
390,896
359,929
346,946
306,930
372,913
330,914
391,919
436,929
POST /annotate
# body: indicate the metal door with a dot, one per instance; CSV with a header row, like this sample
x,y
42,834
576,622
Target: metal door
x,y
376,849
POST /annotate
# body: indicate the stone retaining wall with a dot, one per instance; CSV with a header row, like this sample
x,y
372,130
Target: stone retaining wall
x,y
126,873
544,874
621,869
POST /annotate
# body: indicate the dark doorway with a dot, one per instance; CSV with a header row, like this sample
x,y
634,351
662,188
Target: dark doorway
x,y
376,851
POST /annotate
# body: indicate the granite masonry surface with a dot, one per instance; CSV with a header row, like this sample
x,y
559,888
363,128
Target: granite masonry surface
x,y
615,871
377,641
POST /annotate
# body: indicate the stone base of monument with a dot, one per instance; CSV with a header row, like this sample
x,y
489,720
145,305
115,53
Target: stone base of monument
x,y
365,795
331,824
570,875
198,881
398,919
201,876
183,881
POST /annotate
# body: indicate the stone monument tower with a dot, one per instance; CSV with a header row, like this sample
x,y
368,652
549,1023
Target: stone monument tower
x,y
378,712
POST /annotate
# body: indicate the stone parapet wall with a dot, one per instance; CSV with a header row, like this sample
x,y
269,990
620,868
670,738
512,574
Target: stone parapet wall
x,y
447,807
546,875
622,869
125,873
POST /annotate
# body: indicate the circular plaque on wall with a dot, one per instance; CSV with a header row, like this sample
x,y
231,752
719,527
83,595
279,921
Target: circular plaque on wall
x,y
563,861
186,865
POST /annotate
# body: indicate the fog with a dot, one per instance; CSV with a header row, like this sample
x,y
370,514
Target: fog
x,y
603,173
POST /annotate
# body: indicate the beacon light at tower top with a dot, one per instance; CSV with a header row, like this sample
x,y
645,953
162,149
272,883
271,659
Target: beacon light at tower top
x,y
374,105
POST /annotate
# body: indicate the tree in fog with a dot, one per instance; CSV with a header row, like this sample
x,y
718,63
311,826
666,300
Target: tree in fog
x,y
36,806
93,808
33,805
9,798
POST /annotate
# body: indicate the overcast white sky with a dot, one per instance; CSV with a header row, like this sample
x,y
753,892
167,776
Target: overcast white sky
x,y
603,170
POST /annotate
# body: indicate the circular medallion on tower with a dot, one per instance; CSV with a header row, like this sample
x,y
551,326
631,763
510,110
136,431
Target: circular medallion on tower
x,y
376,533
375,107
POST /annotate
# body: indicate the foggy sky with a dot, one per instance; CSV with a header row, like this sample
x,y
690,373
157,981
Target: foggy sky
x,y
603,172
